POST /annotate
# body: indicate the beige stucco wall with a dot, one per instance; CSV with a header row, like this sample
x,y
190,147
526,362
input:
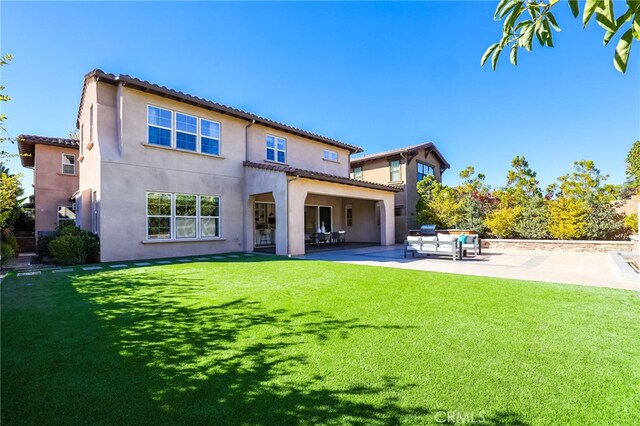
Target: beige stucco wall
x,y
52,188
122,168
301,153
90,166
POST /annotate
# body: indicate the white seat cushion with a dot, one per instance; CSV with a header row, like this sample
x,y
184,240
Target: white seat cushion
x,y
445,237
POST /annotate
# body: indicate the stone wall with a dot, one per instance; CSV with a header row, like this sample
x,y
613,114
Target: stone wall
x,y
564,245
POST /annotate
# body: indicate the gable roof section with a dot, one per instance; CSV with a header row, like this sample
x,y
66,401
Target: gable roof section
x,y
165,92
27,143
292,171
429,146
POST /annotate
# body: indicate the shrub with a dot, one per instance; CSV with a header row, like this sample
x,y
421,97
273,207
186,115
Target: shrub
x,y
534,221
6,251
10,239
68,249
567,218
604,223
502,222
631,222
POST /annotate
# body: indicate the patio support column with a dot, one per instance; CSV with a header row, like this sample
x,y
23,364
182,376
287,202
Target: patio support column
x,y
280,197
387,219
249,224
297,198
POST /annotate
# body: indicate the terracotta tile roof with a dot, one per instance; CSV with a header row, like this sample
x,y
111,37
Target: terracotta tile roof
x,y
309,174
396,152
166,92
26,145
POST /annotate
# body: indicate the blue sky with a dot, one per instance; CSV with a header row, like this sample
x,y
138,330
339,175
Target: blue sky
x,y
376,75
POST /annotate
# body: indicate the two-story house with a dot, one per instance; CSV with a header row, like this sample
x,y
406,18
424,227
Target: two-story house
x,y
164,173
402,168
55,178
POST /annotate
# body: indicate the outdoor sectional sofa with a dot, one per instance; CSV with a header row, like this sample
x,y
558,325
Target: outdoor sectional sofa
x,y
442,244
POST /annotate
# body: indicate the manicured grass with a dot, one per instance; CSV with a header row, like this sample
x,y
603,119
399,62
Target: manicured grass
x,y
266,340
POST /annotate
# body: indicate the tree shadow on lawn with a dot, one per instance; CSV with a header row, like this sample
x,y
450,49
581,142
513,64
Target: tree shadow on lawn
x,y
236,362
141,347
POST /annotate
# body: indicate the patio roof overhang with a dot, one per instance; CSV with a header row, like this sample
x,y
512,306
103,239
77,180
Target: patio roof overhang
x,y
309,174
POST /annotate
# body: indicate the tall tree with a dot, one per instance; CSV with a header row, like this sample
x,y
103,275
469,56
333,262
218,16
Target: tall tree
x,y
524,19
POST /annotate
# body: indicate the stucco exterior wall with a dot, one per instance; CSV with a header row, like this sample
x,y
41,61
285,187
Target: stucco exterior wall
x,y
122,167
52,188
301,153
90,164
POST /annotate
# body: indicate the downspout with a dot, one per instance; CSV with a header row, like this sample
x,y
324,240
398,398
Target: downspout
x,y
245,223
119,91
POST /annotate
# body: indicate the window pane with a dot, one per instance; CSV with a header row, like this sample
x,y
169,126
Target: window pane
x,y
185,205
271,142
159,117
68,159
159,203
210,129
271,154
281,143
159,227
185,141
185,227
209,227
209,206
281,157
210,146
68,169
186,123
159,136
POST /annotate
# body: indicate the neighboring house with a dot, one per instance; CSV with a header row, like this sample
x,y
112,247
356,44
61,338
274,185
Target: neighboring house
x,y
163,173
55,178
403,168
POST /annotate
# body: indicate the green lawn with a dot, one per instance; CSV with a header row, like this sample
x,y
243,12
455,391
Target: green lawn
x,y
265,340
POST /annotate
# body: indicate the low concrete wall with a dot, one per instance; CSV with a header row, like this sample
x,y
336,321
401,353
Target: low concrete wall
x,y
564,245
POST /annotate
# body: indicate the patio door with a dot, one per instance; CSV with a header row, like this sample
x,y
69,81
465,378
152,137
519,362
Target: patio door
x,y
324,216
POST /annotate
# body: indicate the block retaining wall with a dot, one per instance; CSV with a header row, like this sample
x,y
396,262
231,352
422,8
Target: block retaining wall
x,y
560,245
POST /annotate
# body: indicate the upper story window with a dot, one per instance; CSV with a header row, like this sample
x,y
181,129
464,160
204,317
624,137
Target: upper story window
x,y
209,137
68,164
276,149
394,167
186,132
357,173
424,170
160,126
181,131
330,155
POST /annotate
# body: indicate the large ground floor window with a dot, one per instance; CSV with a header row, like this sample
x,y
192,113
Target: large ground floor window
x,y
182,216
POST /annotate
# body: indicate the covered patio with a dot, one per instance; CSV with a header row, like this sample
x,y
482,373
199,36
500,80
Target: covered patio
x,y
290,211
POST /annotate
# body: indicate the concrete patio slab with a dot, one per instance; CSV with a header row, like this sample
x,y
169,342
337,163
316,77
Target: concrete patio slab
x,y
583,268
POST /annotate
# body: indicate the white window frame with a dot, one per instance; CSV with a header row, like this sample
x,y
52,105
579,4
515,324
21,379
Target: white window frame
x,y
64,155
172,138
200,136
330,155
391,171
170,216
81,137
357,171
173,236
175,216
276,149
73,208
196,134
200,217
